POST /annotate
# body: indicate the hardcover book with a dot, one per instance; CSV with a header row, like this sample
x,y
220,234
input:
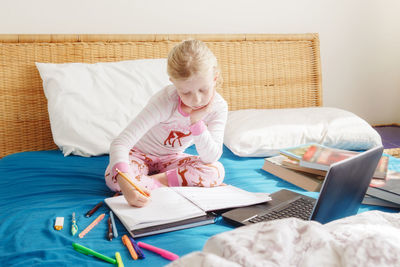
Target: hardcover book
x,y
380,172
371,200
316,158
321,157
297,152
384,192
294,165
307,181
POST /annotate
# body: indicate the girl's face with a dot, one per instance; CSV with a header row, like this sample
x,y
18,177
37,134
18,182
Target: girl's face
x,y
197,91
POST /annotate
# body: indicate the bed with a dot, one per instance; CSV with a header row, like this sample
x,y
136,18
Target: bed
x,y
38,183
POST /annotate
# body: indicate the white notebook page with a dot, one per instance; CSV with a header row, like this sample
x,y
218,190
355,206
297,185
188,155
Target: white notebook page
x,y
221,197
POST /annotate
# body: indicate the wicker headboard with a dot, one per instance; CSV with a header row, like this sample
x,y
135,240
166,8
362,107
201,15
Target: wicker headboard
x,y
259,71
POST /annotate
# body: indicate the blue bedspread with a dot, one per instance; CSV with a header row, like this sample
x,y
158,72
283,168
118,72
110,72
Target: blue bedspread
x,y
37,187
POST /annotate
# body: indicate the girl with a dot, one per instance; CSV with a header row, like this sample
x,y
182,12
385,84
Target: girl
x,y
150,149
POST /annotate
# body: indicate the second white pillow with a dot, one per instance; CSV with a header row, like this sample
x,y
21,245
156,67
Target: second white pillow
x,y
262,132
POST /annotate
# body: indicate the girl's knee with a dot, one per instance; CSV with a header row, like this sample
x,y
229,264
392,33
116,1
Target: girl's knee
x,y
213,174
220,168
110,182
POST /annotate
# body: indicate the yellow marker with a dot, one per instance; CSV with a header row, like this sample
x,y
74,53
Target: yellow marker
x,y
119,259
58,225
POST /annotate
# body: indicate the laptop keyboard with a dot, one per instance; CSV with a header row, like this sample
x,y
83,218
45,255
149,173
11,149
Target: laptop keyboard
x,y
300,208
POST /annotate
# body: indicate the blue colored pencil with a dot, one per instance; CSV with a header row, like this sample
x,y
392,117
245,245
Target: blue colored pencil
x,y
114,227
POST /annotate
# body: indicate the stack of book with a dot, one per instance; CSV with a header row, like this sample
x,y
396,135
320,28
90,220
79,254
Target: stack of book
x,y
384,192
278,166
306,167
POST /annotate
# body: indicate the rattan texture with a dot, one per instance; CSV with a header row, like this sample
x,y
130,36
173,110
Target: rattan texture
x,y
258,71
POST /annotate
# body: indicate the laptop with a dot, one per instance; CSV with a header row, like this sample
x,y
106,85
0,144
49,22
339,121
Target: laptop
x,y
341,194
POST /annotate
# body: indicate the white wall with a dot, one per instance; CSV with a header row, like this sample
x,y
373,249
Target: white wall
x,y
360,39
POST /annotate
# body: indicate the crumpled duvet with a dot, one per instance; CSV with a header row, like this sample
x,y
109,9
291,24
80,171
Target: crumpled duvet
x,y
371,238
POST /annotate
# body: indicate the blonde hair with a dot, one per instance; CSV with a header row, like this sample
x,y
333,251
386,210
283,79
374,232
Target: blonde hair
x,y
189,58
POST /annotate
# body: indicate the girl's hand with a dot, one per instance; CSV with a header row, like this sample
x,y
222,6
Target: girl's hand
x,y
132,196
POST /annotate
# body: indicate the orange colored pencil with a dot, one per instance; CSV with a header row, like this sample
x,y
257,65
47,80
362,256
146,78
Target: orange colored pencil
x,y
93,224
130,181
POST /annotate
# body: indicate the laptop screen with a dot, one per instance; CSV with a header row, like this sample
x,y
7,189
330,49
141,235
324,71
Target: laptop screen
x,y
345,185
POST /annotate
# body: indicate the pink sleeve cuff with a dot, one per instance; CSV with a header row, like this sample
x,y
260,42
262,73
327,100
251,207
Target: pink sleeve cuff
x,y
198,127
172,178
121,166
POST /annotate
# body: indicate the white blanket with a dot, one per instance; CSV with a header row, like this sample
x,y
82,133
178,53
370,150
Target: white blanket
x,y
368,239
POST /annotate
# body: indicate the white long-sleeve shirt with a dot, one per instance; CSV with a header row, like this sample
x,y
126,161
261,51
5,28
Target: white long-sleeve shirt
x,y
162,128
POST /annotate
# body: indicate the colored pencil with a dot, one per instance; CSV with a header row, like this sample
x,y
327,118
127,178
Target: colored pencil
x,y
93,224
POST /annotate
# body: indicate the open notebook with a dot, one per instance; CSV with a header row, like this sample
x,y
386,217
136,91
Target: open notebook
x,y
174,208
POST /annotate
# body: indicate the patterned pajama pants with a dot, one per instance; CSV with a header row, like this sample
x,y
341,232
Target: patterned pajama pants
x,y
182,170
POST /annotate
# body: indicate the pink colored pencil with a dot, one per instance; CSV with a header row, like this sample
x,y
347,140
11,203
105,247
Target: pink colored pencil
x,y
93,224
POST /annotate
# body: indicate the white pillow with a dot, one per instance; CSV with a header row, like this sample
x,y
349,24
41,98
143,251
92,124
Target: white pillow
x,y
90,104
261,133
